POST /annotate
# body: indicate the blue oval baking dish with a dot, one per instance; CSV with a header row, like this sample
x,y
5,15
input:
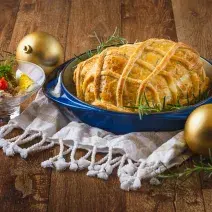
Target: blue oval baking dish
x,y
116,122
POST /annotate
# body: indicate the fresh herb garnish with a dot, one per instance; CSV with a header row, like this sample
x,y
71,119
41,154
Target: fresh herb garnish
x,y
114,40
202,165
7,63
145,107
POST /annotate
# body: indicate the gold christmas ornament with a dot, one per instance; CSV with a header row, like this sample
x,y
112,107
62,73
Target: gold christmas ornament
x,y
198,130
42,49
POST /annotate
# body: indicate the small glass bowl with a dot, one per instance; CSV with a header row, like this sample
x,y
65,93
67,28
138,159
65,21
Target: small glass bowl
x,y
10,106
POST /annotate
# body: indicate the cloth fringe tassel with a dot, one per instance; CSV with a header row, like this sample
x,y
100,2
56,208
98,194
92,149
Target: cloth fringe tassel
x,y
130,173
12,146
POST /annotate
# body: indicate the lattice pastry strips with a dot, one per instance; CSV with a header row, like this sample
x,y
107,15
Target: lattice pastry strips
x,y
119,77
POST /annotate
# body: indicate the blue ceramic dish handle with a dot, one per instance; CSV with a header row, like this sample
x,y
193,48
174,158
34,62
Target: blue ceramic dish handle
x,y
63,99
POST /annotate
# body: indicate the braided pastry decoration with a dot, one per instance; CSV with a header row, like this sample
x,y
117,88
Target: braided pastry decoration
x,y
118,77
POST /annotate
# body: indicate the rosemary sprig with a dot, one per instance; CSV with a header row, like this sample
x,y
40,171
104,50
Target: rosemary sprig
x,y
176,106
146,100
114,40
145,110
201,166
90,53
78,57
144,107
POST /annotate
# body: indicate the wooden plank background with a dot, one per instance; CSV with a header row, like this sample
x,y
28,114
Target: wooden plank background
x,y
24,185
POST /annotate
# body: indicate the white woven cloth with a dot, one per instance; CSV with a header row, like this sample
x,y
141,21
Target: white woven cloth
x,y
137,156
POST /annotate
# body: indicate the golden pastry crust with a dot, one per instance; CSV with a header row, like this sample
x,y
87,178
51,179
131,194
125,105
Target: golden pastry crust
x,y
119,77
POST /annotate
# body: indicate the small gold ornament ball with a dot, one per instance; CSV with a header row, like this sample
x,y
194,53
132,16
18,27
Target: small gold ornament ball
x,y
42,49
198,130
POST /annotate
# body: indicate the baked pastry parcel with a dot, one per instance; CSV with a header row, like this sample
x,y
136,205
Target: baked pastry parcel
x,y
162,71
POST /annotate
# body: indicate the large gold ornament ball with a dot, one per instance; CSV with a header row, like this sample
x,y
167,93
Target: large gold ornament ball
x,y
42,49
198,130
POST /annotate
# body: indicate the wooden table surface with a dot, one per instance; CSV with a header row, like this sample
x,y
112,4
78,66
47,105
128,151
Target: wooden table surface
x,y
24,185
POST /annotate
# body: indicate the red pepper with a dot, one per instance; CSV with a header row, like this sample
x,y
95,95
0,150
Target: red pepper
x,y
3,84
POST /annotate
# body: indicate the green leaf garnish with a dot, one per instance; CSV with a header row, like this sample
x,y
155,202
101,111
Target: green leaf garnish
x,y
7,63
